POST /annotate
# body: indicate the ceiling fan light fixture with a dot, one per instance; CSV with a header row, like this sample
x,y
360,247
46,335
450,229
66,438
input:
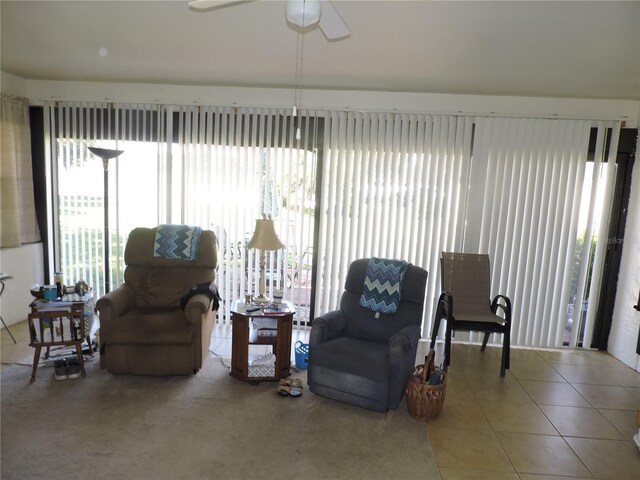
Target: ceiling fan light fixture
x,y
303,12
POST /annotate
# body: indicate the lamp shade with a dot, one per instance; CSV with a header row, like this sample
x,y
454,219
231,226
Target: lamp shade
x,y
105,153
264,237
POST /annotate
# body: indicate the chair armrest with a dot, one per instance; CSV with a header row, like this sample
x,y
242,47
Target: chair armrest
x,y
326,327
196,307
505,306
405,339
116,303
444,308
402,355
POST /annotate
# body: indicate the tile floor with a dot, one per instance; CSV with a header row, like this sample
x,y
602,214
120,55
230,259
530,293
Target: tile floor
x,y
15,353
557,414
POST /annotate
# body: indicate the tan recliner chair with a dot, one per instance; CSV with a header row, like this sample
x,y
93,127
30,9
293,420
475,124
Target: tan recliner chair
x,y
143,329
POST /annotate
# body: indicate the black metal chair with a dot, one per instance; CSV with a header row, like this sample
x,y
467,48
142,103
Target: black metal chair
x,y
465,303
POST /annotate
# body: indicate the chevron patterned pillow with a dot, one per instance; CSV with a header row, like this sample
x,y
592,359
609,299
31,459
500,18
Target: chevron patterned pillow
x,y
178,242
382,285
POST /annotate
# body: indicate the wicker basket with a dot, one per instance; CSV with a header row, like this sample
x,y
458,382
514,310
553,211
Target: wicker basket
x,y
425,401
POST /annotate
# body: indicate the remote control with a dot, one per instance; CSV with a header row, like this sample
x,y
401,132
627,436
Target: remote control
x,y
252,309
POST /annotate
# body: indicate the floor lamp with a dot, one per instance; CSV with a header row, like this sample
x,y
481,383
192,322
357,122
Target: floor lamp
x,y
106,154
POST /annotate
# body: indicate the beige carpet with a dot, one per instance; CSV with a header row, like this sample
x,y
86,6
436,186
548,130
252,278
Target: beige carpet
x,y
201,427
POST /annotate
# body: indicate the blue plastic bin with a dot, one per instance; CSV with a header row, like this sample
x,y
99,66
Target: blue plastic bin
x,y
302,354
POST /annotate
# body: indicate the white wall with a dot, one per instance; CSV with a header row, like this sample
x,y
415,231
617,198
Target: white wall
x,y
25,264
626,320
13,85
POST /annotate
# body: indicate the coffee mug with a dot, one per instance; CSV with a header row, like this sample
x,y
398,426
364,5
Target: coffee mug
x,y
278,295
50,292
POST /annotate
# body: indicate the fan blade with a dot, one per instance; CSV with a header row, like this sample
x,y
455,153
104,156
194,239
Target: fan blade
x,y
207,4
331,23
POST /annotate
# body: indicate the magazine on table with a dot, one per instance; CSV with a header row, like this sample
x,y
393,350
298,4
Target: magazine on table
x,y
53,306
275,308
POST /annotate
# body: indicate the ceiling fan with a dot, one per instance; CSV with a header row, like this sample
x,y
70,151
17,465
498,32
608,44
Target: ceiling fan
x,y
302,13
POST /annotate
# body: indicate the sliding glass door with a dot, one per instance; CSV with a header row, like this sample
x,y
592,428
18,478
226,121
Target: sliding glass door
x,y
346,185
539,206
394,186
232,167
523,190
77,193
220,169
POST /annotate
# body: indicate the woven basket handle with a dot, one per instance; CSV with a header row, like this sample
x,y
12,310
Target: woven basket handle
x,y
428,366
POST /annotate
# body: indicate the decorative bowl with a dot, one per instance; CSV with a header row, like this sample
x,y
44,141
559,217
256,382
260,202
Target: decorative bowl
x,y
39,293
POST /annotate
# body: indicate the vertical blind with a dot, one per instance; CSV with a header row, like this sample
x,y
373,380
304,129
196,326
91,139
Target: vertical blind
x,y
531,171
410,187
524,211
218,168
237,165
596,231
403,186
77,195
393,186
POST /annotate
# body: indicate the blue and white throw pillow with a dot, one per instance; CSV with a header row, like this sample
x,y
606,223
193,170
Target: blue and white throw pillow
x,y
178,242
383,284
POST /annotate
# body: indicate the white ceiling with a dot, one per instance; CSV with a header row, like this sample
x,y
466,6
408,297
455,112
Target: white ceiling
x,y
548,48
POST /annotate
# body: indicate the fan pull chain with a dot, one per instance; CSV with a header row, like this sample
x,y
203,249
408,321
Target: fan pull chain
x,y
298,73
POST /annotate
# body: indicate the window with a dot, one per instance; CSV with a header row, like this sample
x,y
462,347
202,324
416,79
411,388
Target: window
x,y
216,168
349,185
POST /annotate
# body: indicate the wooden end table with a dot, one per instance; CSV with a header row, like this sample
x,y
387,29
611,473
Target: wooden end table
x,y
56,323
261,328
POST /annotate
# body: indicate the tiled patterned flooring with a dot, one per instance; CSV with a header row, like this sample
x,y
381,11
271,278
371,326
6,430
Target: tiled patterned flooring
x,y
557,414
13,353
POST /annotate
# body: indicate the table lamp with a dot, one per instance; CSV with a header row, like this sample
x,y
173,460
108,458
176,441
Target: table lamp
x,y
264,239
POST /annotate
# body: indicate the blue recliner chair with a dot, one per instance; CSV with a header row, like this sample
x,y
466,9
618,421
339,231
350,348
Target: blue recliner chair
x,y
363,357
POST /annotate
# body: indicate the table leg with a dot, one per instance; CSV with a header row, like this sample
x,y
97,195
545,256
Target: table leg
x,y
80,358
88,339
36,360
7,329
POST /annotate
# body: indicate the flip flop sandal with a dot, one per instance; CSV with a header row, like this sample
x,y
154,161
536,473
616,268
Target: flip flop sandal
x,y
296,388
284,387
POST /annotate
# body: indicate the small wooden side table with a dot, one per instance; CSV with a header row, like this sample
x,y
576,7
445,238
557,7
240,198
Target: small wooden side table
x,y
246,331
56,323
